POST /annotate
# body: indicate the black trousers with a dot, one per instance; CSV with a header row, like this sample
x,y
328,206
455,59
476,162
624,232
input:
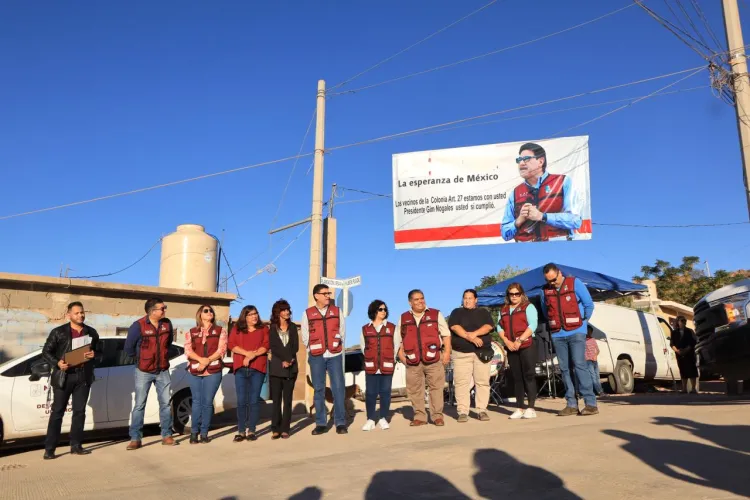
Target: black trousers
x,y
281,394
522,364
75,386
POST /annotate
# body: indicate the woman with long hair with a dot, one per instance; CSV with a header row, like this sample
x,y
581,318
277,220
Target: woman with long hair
x,y
205,346
283,369
518,320
683,343
249,343
379,349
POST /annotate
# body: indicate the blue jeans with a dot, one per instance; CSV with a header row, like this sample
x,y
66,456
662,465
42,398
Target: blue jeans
x,y
573,348
248,382
203,391
378,385
162,381
335,368
593,367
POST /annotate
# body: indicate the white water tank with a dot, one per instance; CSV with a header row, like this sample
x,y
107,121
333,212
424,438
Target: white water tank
x,y
189,259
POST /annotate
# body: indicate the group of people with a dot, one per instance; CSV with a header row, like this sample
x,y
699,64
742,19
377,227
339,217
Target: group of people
x,y
422,340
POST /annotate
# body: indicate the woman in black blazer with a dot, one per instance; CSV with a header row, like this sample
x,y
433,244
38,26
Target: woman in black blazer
x,y
283,370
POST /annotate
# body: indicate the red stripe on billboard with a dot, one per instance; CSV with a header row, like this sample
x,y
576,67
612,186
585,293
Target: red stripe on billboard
x,y
447,233
459,233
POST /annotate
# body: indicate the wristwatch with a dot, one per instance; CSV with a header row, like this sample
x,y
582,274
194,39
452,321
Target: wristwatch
x,y
544,217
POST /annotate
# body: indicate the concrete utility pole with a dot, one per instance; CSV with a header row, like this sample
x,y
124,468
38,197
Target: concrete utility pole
x,y
741,83
317,198
329,239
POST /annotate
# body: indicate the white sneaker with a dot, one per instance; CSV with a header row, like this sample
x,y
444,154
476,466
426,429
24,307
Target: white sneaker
x,y
529,413
516,414
383,423
369,425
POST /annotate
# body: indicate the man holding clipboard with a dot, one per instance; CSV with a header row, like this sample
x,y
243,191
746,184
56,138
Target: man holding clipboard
x,y
70,350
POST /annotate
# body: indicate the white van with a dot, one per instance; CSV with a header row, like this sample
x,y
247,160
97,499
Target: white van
x,y
632,345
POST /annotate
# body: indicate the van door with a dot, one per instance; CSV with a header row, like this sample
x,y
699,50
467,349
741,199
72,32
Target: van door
x,y
652,352
672,367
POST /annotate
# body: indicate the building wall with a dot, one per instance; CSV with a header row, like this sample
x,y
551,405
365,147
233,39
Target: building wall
x,y
27,316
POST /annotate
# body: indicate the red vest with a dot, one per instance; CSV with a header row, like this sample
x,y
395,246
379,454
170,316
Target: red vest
x,y
421,343
154,353
324,332
515,323
379,351
205,350
548,199
563,312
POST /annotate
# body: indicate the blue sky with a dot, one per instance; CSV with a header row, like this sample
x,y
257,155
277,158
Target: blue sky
x,y
104,97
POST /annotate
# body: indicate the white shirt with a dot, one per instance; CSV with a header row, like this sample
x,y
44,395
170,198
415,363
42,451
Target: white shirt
x,y
378,328
306,332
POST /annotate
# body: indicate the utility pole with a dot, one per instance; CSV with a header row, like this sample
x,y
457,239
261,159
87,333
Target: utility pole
x,y
741,83
317,197
329,239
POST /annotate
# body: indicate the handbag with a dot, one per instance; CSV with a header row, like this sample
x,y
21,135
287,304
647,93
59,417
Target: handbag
x,y
485,353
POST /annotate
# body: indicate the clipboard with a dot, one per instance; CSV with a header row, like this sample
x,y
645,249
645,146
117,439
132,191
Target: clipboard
x,y
75,357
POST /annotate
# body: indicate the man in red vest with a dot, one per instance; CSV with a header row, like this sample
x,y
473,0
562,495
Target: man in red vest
x,y
568,307
420,333
323,330
148,342
545,206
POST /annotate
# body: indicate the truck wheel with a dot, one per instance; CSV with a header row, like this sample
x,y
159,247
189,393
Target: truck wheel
x,y
733,387
624,381
182,409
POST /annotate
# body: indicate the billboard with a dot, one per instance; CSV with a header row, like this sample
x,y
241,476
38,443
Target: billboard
x,y
516,192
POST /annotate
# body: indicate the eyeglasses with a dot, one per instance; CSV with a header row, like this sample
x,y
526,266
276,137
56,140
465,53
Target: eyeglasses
x,y
524,159
163,308
382,309
514,294
208,311
325,293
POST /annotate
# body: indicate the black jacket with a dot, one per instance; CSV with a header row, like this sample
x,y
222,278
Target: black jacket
x,y
280,353
58,343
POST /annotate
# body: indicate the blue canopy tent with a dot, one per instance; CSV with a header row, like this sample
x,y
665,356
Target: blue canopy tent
x,y
601,286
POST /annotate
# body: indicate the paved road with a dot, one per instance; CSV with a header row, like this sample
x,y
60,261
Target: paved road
x,y
643,446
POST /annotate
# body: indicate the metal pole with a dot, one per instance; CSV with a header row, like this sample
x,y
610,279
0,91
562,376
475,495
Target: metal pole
x,y
741,83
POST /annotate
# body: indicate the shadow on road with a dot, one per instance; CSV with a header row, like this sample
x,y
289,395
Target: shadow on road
x,y
733,437
694,463
498,475
309,493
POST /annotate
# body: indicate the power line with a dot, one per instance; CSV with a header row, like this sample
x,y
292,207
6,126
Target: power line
x,y
710,31
518,108
636,101
349,80
480,56
121,270
676,31
354,144
260,271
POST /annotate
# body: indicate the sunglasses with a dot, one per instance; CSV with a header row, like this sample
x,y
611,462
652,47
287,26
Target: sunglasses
x,y
524,159
553,280
382,309
208,311
514,294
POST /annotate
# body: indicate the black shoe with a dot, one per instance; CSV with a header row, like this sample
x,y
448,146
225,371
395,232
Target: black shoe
x,y
275,435
49,455
78,450
319,429
341,429
205,439
193,438
252,437
238,438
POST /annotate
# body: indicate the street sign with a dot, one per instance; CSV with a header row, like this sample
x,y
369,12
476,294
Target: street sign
x,y
345,299
349,282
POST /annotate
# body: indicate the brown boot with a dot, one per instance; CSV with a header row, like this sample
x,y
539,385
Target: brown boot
x,y
133,445
568,411
168,441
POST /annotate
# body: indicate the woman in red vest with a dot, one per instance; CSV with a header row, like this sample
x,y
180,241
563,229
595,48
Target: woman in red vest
x,y
518,320
379,349
205,346
249,343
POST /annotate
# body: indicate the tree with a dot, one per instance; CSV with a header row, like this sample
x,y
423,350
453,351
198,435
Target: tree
x,y
685,283
509,271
